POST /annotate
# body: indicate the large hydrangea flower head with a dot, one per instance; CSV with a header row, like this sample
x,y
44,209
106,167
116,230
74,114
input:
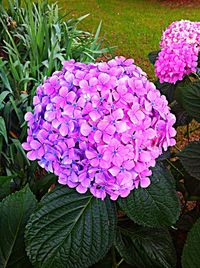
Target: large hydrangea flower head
x,y
176,61
183,31
180,45
99,127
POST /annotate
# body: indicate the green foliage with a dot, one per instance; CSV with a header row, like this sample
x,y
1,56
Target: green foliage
x,y
35,39
188,95
14,214
191,251
190,159
146,247
155,205
70,229
153,56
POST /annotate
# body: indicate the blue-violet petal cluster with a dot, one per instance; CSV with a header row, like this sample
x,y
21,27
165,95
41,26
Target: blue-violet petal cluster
x,y
99,127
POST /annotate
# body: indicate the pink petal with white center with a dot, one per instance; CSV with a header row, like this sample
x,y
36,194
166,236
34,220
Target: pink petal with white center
x,y
50,157
148,106
53,80
107,138
49,116
104,164
63,92
107,156
85,129
110,130
71,96
94,115
139,115
104,78
36,100
48,89
35,144
97,136
63,129
66,161
84,85
145,182
121,127
129,164
26,146
114,170
118,114
68,110
28,116
117,160
81,189
138,84
56,123
145,156
62,180
102,124
102,66
81,102
41,152
32,155
70,143
90,154
128,97
94,162
93,81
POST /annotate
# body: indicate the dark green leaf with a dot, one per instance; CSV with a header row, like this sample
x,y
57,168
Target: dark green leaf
x,y
70,230
153,56
192,185
191,251
5,186
146,247
155,205
190,158
182,117
165,155
14,214
3,130
188,95
166,89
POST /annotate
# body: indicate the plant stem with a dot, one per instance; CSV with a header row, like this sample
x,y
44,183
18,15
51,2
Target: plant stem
x,y
175,167
196,128
188,132
114,262
175,146
118,264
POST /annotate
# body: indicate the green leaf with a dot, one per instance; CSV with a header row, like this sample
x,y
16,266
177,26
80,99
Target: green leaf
x,y
14,214
5,186
146,247
190,158
3,130
166,89
70,229
155,205
153,56
191,251
188,95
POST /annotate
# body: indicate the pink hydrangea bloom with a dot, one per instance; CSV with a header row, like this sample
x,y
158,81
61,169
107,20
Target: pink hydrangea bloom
x,y
183,31
176,61
180,45
99,127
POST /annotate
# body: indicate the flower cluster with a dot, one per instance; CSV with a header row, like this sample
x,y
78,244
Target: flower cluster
x,y
180,46
183,31
99,127
176,61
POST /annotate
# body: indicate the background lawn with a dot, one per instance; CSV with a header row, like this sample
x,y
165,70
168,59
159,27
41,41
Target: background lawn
x,y
134,26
